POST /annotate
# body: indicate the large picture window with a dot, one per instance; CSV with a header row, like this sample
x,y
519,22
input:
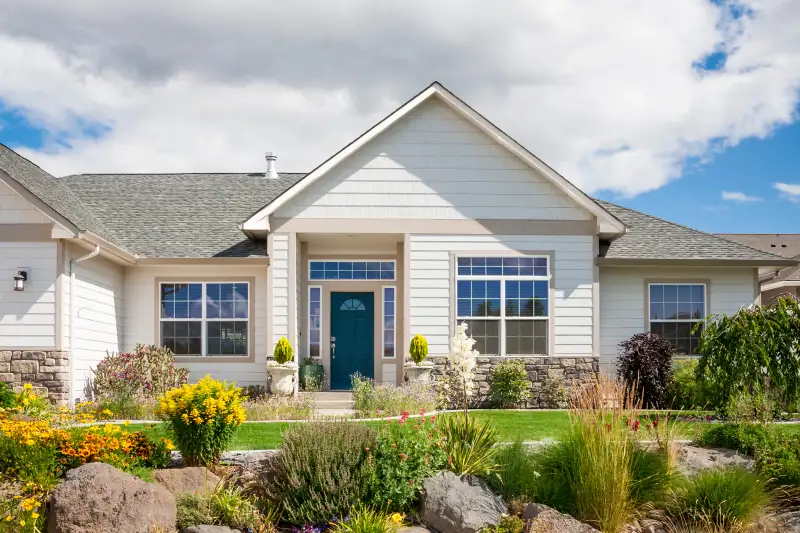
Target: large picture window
x,y
205,318
675,308
505,303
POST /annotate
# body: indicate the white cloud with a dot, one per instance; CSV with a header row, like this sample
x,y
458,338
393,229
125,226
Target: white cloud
x,y
790,191
605,92
735,196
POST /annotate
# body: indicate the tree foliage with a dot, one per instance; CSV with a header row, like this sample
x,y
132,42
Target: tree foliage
x,y
645,362
756,349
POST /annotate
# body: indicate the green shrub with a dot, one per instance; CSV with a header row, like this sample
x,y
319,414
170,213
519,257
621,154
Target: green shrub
x,y
226,505
745,438
374,400
650,476
510,385
758,406
418,350
406,453
516,471
686,392
507,524
365,519
123,407
321,470
470,444
194,509
645,365
283,351
727,499
6,396
147,371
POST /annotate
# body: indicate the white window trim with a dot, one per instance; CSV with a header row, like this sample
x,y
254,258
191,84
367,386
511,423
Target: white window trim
x,y
204,320
349,260
502,318
383,322
308,314
650,320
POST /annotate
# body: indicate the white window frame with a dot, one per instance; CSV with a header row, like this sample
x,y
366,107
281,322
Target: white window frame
x,y
677,320
383,322
204,320
349,260
502,318
321,314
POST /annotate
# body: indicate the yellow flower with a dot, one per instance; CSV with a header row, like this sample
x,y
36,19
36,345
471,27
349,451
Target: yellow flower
x,y
27,386
22,523
30,442
9,518
398,518
34,515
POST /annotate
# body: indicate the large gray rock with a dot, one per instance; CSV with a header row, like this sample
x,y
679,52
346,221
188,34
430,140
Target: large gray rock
x,y
453,504
211,529
191,479
545,519
98,498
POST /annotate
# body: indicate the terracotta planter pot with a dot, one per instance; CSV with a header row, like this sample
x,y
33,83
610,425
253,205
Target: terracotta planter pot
x,y
282,379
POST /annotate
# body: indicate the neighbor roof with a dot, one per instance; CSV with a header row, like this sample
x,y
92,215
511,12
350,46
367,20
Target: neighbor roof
x,y
180,215
653,239
783,244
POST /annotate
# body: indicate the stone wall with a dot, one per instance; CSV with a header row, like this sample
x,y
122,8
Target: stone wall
x,y
551,378
48,372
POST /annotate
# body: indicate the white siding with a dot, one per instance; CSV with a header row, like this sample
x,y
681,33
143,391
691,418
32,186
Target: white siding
x,y
99,289
300,308
141,306
433,164
431,284
28,318
14,209
280,288
622,298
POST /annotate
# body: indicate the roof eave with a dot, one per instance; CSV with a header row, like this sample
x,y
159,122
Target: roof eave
x,y
624,261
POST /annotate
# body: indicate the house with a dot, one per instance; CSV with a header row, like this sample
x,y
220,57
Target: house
x,y
433,216
784,282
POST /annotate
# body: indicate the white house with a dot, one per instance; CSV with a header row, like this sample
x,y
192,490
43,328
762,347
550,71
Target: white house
x,y
433,216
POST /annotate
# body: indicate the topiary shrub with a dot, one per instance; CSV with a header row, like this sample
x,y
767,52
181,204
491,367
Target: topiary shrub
x,y
283,351
418,350
645,366
510,385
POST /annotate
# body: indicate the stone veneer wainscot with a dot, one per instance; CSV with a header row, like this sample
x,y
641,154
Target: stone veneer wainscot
x,y
47,371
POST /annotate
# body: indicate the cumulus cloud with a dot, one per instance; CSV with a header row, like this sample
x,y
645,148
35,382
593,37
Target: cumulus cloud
x,y
790,191
736,196
609,93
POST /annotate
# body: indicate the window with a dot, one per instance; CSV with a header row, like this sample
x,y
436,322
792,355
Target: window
x,y
505,303
389,313
205,318
358,270
674,311
314,321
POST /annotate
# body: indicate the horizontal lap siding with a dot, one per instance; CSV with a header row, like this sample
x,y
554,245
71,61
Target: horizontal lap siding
x,y
14,209
28,318
433,164
431,285
622,298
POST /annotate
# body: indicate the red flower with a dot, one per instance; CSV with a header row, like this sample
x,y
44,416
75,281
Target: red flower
x,y
416,428
655,423
636,426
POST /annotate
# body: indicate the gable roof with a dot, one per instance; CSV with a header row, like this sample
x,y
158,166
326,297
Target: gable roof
x,y
651,239
609,223
179,215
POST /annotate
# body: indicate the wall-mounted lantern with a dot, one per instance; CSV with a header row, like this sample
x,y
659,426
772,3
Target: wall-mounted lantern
x,y
20,279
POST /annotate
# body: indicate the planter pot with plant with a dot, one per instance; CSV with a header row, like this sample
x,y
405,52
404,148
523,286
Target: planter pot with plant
x,y
282,369
418,368
312,374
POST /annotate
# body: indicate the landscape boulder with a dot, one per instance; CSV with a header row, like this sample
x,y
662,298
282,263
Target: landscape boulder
x,y
459,504
98,498
545,519
191,479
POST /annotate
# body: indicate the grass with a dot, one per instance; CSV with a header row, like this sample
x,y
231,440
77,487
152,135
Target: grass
x,y
511,425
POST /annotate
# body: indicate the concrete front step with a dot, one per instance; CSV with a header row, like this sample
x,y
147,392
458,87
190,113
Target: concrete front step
x,y
338,400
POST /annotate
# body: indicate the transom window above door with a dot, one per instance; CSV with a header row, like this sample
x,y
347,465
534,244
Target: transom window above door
x,y
351,270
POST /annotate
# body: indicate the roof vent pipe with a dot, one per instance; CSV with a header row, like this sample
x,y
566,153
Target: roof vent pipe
x,y
271,172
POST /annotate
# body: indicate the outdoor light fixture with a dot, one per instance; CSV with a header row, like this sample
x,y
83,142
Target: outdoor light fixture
x,y
20,279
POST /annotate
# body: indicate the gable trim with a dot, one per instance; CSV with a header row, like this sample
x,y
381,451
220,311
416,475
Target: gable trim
x,y
37,202
261,219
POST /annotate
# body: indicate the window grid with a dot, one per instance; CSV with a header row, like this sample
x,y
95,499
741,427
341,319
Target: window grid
x,y
388,324
190,316
674,310
499,314
349,269
315,321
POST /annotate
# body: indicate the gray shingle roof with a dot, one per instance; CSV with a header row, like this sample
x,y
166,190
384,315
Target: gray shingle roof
x,y
52,192
180,215
783,244
652,238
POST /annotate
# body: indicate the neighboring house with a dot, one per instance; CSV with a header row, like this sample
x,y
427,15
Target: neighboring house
x,y
785,282
432,217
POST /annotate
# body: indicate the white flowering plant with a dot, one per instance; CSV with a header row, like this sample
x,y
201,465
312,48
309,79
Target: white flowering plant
x,y
463,360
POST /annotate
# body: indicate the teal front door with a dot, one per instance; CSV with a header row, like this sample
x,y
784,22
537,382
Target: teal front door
x,y
352,337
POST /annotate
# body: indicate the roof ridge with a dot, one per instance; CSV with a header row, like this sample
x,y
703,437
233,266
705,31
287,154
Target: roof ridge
x,y
86,174
717,237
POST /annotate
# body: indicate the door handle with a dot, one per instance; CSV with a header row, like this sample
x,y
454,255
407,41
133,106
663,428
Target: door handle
x,y
333,347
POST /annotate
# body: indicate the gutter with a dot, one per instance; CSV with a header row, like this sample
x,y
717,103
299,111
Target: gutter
x,y
72,300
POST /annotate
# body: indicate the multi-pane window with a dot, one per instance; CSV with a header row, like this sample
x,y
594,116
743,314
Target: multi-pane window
x,y
359,270
505,303
675,308
205,318
314,321
389,324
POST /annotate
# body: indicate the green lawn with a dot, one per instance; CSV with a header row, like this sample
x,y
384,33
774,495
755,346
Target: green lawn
x,y
511,425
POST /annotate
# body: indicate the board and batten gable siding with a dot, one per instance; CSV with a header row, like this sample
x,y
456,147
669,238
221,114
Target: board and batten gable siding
x,y
432,284
14,209
622,298
279,268
433,164
99,314
141,308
